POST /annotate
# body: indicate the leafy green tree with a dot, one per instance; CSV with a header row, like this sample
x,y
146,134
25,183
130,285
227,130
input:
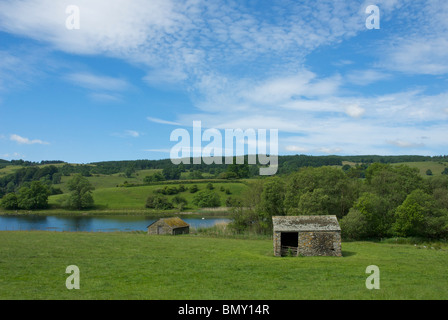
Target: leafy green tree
x,y
33,197
80,193
377,213
195,175
272,201
206,199
354,225
172,173
335,193
393,182
419,215
445,171
156,177
9,202
159,202
315,202
194,188
429,172
179,201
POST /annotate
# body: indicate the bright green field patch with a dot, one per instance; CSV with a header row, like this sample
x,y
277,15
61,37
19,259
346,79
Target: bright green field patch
x,y
423,166
138,266
135,197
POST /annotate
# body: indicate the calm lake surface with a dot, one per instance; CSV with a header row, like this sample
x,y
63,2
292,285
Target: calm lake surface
x,y
92,224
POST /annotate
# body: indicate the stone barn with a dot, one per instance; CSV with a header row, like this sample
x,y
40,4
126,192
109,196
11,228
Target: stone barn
x,y
172,226
307,236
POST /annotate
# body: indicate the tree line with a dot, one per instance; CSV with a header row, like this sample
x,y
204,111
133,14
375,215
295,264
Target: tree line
x,y
34,196
392,200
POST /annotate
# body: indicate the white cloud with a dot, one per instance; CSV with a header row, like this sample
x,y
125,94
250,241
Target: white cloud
x,y
132,133
355,111
329,150
366,77
156,120
158,150
293,148
95,82
105,97
405,144
127,134
22,140
14,155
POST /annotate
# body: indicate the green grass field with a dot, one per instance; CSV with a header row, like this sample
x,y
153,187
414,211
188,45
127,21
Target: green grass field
x,y
423,166
135,197
138,266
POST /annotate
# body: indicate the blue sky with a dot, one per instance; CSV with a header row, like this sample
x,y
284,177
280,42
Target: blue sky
x,y
134,71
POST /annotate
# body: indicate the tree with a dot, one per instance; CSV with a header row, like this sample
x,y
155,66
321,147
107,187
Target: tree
x,y
159,202
315,202
81,193
206,199
33,197
9,202
354,225
419,215
377,213
429,172
445,171
158,176
194,188
272,201
179,201
171,173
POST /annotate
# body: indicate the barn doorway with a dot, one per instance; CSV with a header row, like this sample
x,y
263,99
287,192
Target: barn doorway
x,y
289,242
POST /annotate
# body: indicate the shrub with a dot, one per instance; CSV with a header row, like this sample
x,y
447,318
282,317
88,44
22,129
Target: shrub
x,y
9,202
159,202
207,198
194,188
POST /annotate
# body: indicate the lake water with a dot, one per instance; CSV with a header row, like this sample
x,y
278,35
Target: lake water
x,y
92,224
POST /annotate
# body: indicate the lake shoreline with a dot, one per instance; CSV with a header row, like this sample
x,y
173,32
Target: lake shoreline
x,y
211,212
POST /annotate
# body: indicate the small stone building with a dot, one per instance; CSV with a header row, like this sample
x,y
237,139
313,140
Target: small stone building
x,y
307,236
172,226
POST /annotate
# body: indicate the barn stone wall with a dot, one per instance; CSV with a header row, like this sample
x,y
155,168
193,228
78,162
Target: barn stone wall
x,y
320,243
161,227
277,244
316,243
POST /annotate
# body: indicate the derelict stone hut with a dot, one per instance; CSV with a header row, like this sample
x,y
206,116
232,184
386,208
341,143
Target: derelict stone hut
x,y
172,226
307,236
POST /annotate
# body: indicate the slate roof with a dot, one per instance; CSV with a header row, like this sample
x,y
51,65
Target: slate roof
x,y
172,222
305,223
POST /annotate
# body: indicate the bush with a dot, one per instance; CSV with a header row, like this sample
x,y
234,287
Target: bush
x,y
179,201
207,198
159,202
194,188
33,197
9,202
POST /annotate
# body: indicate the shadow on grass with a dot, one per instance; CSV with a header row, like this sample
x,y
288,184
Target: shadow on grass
x,y
348,253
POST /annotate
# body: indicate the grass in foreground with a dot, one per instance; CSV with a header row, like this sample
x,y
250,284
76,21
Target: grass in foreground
x,y
138,266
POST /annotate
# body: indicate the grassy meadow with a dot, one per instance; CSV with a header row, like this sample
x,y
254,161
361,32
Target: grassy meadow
x,y
423,166
138,266
134,198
